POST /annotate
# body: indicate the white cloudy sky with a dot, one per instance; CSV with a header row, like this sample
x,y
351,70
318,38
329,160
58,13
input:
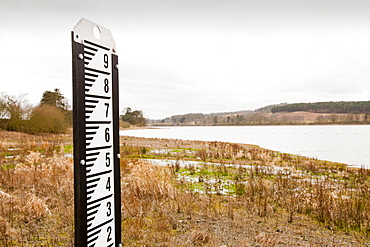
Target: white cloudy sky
x,y
183,56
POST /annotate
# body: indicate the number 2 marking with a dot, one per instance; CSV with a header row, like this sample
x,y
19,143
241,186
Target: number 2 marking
x,y
109,231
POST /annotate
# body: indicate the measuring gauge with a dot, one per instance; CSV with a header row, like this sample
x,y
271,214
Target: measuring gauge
x,y
96,136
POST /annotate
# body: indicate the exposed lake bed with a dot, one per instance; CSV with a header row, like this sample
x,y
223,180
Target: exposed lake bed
x,y
189,193
263,181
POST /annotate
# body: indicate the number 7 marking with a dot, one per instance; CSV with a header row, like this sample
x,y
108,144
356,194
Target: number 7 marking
x,y
106,112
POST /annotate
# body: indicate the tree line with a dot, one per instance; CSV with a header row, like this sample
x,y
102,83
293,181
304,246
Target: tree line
x,y
348,107
265,118
131,117
51,115
350,112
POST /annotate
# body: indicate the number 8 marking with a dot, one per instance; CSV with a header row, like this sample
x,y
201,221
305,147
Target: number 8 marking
x,y
106,85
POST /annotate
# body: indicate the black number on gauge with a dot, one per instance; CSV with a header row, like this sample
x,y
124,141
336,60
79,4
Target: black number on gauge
x,y
107,159
108,186
109,207
106,85
107,108
109,231
106,61
107,135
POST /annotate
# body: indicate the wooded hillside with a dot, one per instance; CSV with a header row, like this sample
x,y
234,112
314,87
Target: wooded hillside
x,y
350,112
352,107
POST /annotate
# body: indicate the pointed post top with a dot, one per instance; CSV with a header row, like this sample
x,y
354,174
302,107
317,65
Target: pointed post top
x,y
88,30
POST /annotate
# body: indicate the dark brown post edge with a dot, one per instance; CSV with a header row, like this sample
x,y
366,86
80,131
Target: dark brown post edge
x,y
79,144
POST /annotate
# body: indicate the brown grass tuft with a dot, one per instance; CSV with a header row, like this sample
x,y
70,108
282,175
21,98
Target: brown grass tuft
x,y
199,238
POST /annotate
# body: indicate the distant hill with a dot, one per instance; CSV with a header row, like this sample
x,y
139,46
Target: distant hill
x,y
269,107
200,118
230,113
344,112
354,107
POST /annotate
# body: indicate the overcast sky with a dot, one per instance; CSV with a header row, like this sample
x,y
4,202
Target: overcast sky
x,y
190,56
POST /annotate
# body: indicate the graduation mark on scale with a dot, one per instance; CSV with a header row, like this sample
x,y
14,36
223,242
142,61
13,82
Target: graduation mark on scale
x,y
96,153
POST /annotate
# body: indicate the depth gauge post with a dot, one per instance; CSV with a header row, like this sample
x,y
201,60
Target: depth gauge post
x,y
97,189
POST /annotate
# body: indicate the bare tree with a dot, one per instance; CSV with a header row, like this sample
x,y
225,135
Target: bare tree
x,y
14,109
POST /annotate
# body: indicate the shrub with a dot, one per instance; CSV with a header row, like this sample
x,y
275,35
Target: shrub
x,y
47,119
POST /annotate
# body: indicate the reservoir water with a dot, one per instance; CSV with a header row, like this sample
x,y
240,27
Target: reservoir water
x,y
349,144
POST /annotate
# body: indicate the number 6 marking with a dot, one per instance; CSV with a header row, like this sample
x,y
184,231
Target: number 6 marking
x,y
107,136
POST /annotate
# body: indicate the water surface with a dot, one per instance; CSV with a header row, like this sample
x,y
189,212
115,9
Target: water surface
x,y
348,144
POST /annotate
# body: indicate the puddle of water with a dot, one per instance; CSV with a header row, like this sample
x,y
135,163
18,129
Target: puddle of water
x,y
160,151
213,185
187,163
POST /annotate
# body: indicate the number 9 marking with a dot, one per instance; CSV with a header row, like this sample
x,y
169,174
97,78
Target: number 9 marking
x,y
106,61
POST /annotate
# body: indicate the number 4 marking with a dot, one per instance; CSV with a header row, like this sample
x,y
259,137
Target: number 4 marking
x,y
108,186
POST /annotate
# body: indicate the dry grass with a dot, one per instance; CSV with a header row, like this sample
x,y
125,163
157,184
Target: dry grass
x,y
309,203
36,191
37,196
169,217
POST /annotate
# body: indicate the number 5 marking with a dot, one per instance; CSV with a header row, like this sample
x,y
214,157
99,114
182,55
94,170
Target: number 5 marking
x,y
107,159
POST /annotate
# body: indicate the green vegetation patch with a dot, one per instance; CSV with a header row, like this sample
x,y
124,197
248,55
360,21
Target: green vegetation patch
x,y
68,149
